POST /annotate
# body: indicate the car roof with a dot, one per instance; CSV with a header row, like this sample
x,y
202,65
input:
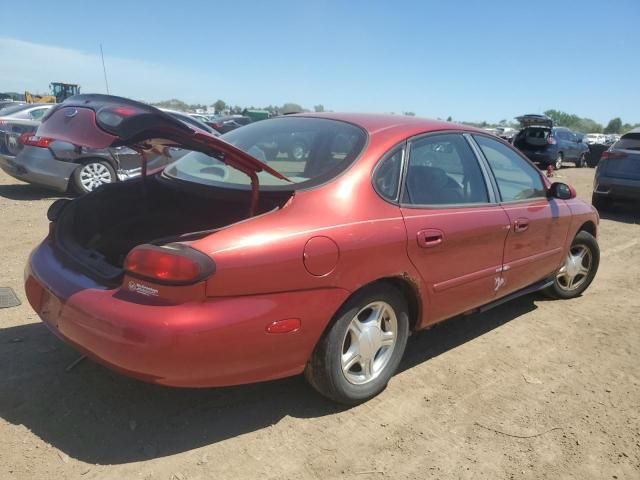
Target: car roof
x,y
375,123
633,132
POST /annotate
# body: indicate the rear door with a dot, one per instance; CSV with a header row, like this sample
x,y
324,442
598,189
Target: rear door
x,y
456,229
538,225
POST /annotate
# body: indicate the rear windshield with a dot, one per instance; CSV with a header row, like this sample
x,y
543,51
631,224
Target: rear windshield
x,y
308,151
630,141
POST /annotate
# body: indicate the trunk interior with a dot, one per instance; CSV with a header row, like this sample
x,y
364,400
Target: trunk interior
x,y
532,138
99,229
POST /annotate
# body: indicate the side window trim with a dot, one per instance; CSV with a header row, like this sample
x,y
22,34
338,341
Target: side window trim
x,y
494,181
489,179
493,200
402,147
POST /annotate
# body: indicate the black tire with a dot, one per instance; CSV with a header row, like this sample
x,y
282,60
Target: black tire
x,y
80,186
582,239
582,161
602,204
324,369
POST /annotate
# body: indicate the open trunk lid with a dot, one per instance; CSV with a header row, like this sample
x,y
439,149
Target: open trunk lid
x,y
102,121
534,120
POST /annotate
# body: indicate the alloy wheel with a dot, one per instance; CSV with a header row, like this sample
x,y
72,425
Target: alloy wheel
x,y
92,175
298,151
576,268
558,164
369,343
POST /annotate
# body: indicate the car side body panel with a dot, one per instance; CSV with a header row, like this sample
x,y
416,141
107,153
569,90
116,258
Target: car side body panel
x,y
535,245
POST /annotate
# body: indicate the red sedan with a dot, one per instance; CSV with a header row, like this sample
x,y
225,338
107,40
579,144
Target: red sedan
x,y
238,263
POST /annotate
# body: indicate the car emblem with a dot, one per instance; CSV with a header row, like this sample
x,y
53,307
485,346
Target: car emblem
x,y
71,112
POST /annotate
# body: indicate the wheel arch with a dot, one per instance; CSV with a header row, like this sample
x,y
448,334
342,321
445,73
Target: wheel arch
x,y
588,227
84,160
406,286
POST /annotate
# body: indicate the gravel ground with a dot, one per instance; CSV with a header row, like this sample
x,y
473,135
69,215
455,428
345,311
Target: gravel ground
x,y
532,389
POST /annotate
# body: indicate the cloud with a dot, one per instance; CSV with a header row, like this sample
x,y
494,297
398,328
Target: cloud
x,y
32,66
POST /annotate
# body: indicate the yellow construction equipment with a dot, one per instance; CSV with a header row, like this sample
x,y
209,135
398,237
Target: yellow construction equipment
x,y
59,93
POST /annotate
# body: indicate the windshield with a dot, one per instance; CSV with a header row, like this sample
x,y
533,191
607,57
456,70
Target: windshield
x,y
308,151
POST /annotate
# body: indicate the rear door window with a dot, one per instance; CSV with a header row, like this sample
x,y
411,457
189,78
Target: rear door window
x,y
517,179
443,170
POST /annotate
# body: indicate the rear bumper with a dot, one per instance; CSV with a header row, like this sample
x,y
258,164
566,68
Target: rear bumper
x,y
543,157
617,188
37,165
216,342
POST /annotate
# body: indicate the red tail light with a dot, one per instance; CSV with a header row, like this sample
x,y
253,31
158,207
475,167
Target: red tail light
x,y
173,264
35,141
110,118
551,140
609,155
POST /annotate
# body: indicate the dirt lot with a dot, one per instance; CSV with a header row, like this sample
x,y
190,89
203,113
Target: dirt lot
x,y
532,389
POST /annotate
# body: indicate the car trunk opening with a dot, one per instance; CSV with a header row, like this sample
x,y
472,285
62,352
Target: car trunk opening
x,y
98,230
533,138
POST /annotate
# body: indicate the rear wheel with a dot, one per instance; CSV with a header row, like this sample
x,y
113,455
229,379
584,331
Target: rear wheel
x,y
298,150
582,161
362,349
93,174
557,164
579,268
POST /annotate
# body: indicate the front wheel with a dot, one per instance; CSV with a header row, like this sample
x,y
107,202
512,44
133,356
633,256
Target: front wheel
x,y
579,268
91,175
362,349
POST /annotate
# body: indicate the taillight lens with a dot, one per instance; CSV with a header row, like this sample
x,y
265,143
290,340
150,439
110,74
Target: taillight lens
x,y
35,140
109,118
609,155
551,140
173,264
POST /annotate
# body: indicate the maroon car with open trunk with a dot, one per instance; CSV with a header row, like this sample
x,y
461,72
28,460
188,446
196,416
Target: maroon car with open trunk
x,y
230,267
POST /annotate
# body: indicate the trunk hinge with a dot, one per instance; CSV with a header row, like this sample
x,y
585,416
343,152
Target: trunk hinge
x,y
255,191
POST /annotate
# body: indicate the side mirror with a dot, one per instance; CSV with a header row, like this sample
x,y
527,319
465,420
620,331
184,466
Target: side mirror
x,y
562,191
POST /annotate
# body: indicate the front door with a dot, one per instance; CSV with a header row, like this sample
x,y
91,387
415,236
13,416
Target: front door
x,y
456,230
538,225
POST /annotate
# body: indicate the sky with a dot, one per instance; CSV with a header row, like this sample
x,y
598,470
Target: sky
x,y
472,60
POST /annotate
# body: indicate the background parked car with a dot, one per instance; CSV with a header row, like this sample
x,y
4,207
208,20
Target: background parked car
x,y
230,122
618,172
62,167
201,118
16,120
591,138
8,103
547,145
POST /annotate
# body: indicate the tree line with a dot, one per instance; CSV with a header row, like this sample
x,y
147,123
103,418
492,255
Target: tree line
x,y
560,118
